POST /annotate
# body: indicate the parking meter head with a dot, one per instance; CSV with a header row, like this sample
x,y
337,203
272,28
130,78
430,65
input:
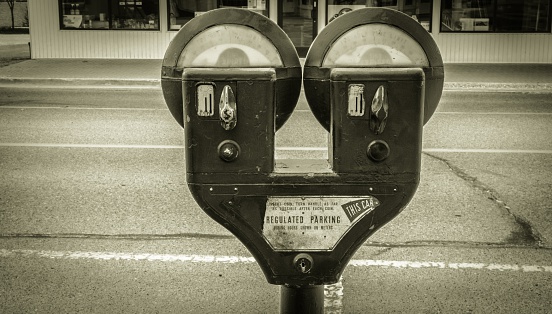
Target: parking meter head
x,y
232,39
231,78
371,38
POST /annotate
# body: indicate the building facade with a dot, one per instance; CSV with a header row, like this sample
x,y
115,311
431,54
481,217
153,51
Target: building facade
x,y
471,31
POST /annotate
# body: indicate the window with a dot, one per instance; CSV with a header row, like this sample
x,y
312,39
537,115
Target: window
x,y
419,10
521,16
181,11
109,14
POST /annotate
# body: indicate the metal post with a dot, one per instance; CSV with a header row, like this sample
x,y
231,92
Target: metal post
x,y
302,299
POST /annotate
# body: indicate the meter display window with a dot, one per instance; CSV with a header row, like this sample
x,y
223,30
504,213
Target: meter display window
x,y
109,14
242,47
419,10
182,11
501,16
382,46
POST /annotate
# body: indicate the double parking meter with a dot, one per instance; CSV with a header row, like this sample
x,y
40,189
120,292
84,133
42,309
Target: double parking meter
x,y
232,78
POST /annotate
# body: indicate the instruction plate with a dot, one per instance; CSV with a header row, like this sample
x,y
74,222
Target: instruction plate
x,y
312,223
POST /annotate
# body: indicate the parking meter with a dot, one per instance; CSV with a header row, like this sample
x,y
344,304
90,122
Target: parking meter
x,y
372,78
231,42
232,77
371,38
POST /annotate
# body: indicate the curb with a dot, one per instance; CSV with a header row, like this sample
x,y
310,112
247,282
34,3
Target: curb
x,y
156,83
79,82
491,87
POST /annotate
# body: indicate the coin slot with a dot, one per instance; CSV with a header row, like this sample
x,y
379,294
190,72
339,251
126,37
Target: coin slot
x,y
205,100
356,101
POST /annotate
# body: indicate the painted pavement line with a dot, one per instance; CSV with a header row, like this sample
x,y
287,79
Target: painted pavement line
x,y
440,150
295,111
223,259
494,113
484,150
68,145
333,294
291,148
283,148
83,108
280,148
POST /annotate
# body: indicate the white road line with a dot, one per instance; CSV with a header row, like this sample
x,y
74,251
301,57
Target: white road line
x,y
290,148
333,297
222,259
67,145
495,113
444,265
478,150
72,255
333,294
295,111
282,148
83,108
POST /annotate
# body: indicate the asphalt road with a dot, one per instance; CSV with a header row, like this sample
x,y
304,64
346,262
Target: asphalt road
x,y
95,215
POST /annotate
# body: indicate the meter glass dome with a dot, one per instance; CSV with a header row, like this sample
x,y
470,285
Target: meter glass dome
x,y
375,45
230,45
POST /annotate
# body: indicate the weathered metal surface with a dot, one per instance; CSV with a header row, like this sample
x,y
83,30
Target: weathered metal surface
x,y
301,220
232,33
385,39
312,223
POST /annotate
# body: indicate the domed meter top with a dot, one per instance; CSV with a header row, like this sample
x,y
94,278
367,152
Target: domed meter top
x,y
226,39
230,45
371,38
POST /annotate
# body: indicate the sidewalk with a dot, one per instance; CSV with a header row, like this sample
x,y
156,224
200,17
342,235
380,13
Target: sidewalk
x,y
83,72
146,73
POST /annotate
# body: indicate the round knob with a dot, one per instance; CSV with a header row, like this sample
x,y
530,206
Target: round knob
x,y
378,150
228,150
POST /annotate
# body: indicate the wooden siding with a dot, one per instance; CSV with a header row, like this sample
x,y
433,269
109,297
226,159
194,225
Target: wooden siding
x,y
495,48
49,41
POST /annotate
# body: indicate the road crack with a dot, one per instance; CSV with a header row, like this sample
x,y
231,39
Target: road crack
x,y
97,236
528,235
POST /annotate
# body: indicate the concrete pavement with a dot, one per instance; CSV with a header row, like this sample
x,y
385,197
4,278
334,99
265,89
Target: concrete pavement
x,y
116,72
146,73
75,72
14,39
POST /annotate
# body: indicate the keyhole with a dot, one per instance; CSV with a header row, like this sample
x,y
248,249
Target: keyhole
x,y
303,263
303,266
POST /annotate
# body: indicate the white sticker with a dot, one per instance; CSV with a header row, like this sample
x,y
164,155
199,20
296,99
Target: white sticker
x,y
312,223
